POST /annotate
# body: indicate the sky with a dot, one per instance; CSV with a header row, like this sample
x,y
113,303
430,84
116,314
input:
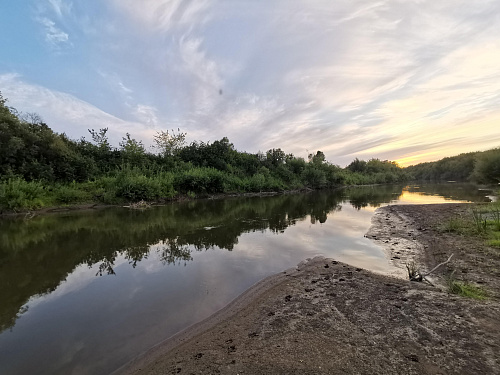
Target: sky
x,y
408,81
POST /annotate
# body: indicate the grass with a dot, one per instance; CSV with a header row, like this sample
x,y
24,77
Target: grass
x,y
466,289
479,220
493,243
454,225
483,221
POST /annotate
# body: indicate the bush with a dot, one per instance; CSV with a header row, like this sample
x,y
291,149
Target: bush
x,y
70,194
200,180
16,193
257,182
314,177
135,187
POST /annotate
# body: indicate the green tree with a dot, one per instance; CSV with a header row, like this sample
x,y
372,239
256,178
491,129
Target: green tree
x,y
487,167
133,151
317,159
357,166
100,139
169,143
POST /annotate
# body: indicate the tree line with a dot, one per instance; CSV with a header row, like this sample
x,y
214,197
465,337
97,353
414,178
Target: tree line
x,y
39,167
481,167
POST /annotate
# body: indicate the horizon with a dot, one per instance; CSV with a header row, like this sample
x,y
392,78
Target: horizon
x,y
406,82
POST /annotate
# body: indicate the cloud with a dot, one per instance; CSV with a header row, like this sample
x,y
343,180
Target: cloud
x,y
352,78
147,115
163,15
68,114
60,7
53,35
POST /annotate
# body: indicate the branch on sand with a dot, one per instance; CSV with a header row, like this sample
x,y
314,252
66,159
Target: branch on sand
x,y
414,273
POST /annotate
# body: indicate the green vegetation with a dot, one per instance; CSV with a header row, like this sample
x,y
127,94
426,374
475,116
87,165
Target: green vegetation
x,y
480,167
483,221
40,168
466,289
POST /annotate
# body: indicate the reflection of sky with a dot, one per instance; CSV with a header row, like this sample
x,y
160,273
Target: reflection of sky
x,y
420,198
123,315
85,315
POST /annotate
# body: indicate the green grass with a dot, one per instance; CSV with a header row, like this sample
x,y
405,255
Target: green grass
x,y
466,289
494,243
454,225
479,219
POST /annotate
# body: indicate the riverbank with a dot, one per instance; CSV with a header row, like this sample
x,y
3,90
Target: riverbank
x,y
147,204
325,317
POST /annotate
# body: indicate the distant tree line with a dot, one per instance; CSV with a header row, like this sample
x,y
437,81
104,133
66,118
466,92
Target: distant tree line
x,y
480,167
39,167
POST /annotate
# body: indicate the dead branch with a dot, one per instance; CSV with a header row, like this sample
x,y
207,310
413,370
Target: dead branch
x,y
439,265
417,276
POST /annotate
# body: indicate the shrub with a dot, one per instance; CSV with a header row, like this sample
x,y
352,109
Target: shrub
x,y
16,193
135,187
200,180
314,177
70,194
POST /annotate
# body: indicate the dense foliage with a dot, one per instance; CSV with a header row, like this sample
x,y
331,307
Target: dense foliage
x,y
481,167
39,167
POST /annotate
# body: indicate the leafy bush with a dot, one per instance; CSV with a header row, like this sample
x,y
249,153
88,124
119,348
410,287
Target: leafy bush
x,y
257,182
70,194
16,193
134,187
314,177
200,180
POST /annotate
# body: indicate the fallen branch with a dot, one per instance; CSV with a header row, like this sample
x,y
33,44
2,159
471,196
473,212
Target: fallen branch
x,y
439,265
417,276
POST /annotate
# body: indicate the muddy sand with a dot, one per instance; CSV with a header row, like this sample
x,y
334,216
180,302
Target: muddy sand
x,y
325,317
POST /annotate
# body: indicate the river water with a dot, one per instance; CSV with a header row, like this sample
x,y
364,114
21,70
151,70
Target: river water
x,y
85,292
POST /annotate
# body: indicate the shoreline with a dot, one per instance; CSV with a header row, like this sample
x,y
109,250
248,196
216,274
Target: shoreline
x,y
236,305
178,199
304,320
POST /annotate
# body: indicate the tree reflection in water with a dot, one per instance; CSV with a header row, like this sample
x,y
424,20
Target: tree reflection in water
x,y
38,254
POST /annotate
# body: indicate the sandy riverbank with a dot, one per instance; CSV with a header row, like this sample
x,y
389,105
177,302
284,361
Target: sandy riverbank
x,y
325,317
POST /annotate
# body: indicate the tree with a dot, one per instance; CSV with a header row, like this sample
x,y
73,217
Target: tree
x,y
100,139
357,166
133,151
317,159
487,167
32,118
275,157
169,144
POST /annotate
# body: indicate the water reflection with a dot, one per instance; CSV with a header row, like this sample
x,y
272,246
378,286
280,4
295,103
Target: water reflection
x,y
64,253
38,254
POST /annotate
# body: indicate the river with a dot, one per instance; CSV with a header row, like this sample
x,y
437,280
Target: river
x,y
85,292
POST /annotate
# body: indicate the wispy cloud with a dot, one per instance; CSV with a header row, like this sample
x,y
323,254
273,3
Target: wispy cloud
x,y
53,35
60,7
66,113
353,78
147,115
165,14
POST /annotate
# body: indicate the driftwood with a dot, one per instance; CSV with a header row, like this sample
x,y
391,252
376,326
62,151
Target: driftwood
x,y
415,275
